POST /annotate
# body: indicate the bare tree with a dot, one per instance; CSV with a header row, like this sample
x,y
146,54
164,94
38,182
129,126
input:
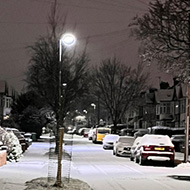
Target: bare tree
x,y
117,86
165,35
43,73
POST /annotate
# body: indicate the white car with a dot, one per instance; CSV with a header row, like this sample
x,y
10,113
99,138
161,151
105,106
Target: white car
x,y
155,147
122,146
108,141
90,133
133,148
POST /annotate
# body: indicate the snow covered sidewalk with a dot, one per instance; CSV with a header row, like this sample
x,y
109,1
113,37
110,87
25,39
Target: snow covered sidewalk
x,y
33,165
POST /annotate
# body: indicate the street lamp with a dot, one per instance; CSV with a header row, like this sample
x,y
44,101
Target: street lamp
x,y
94,106
67,40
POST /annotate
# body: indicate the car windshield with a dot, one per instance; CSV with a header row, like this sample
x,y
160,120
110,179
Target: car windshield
x,y
103,131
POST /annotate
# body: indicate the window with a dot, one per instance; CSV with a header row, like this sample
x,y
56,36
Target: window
x,y
165,108
7,102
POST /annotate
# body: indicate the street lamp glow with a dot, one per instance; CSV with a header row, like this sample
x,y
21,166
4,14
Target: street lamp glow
x,y
93,105
68,39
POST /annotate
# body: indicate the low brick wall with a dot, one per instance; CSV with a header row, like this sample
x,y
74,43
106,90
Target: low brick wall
x,y
3,157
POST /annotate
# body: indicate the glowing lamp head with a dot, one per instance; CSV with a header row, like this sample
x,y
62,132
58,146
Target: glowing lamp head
x,y
68,39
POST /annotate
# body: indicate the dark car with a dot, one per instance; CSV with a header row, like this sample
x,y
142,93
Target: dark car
x,y
178,141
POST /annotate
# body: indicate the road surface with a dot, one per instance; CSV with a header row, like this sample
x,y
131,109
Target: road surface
x,y
104,171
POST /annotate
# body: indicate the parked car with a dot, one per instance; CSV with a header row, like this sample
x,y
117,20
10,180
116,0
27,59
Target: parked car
x,y
21,138
90,133
183,148
133,148
140,132
154,147
108,141
178,141
122,146
28,137
85,132
81,131
126,132
71,129
118,129
99,133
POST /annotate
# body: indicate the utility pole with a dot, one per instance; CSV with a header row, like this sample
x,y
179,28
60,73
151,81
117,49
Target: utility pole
x,y
186,153
187,103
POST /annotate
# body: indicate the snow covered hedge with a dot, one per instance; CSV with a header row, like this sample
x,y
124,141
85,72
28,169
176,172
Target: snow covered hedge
x,y
14,149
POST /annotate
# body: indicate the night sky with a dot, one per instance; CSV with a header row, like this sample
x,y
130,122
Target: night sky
x,y
103,22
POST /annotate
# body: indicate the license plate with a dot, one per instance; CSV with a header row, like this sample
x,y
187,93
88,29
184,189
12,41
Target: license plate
x,y
127,148
159,148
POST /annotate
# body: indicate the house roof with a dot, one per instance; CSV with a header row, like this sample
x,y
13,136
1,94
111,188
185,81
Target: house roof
x,y
164,95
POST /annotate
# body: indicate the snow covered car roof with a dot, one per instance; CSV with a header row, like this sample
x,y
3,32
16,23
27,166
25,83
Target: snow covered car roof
x,y
111,136
150,139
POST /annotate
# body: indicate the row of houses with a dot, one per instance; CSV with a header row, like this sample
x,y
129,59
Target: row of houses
x,y
165,107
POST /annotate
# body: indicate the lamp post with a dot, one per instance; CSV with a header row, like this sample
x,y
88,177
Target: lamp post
x,y
67,40
94,106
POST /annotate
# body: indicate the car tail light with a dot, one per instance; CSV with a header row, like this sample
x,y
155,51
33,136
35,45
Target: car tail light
x,y
148,148
169,148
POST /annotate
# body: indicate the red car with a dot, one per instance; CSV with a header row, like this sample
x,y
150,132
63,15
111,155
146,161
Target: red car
x,y
155,147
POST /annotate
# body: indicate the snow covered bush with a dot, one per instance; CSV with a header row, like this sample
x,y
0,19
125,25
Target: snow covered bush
x,y
14,149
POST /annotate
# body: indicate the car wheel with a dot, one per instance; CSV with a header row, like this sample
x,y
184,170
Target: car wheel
x,y
131,158
141,160
136,159
116,153
94,139
113,152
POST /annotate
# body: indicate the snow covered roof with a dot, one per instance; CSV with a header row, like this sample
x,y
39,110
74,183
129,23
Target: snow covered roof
x,y
111,136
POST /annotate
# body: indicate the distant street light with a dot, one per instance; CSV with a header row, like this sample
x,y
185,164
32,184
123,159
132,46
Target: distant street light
x,y
85,111
93,105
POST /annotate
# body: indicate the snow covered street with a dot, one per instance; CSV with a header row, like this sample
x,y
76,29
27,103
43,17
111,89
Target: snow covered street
x,y
95,166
